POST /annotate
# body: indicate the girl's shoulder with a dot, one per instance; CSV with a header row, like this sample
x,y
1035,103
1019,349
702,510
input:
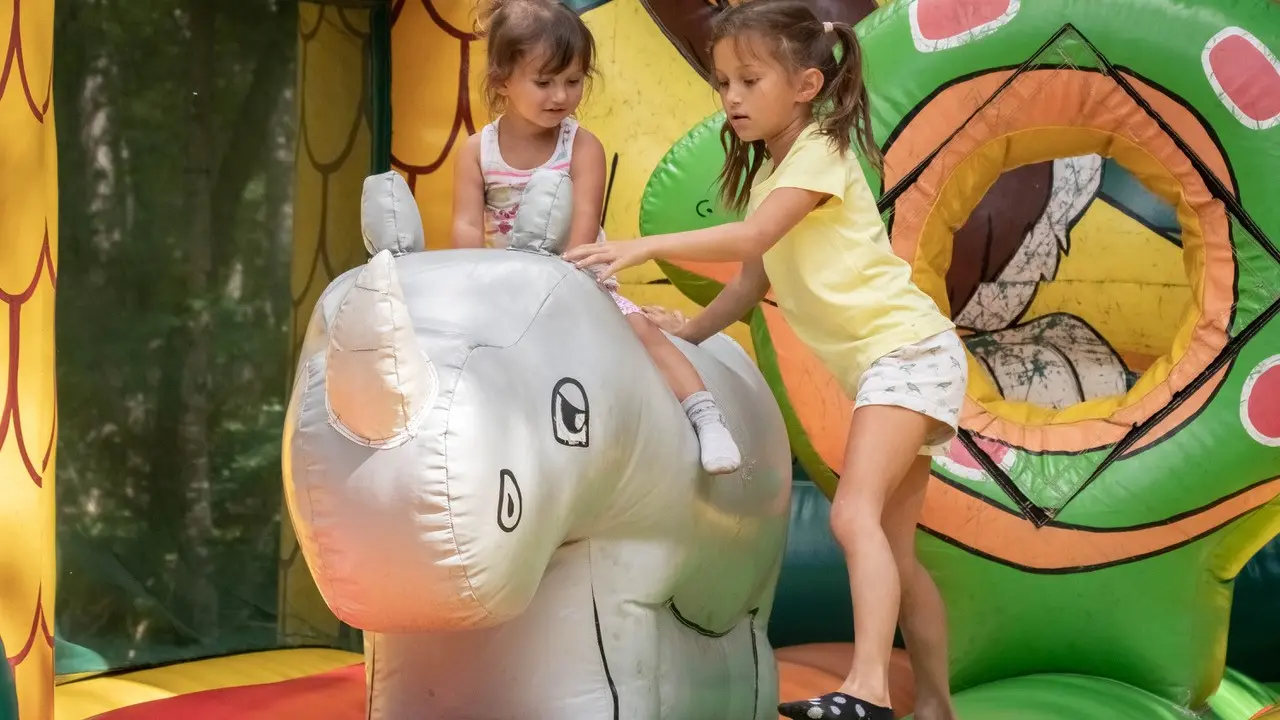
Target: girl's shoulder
x,y
585,139
817,146
473,147
484,143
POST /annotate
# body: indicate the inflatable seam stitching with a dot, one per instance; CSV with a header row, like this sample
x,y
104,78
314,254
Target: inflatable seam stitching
x,y
320,554
466,575
448,495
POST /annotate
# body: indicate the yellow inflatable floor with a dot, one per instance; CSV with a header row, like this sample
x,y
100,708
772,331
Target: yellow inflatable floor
x,y
80,699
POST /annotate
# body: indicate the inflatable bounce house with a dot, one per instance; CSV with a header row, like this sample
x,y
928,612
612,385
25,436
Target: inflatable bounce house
x,y
491,508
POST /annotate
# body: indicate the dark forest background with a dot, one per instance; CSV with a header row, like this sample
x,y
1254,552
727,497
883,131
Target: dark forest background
x,y
176,127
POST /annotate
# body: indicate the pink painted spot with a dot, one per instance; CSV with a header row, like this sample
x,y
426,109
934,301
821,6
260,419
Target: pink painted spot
x,y
960,455
1246,76
1263,403
942,19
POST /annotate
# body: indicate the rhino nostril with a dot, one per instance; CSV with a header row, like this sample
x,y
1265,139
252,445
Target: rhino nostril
x,y
510,501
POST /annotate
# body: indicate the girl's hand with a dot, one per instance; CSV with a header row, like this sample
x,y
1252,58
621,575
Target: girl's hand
x,y
671,321
615,256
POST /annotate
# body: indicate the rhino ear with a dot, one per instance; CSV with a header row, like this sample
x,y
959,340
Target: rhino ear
x,y
389,217
546,212
379,384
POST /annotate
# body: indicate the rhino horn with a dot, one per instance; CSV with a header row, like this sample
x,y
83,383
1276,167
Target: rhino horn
x,y
378,381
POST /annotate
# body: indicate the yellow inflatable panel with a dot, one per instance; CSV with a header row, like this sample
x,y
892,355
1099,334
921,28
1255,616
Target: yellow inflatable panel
x,y
333,159
28,411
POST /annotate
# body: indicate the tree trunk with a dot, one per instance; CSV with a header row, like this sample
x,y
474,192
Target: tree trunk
x,y
250,133
196,558
277,213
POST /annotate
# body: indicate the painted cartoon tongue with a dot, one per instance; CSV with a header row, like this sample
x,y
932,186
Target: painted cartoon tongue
x,y
960,454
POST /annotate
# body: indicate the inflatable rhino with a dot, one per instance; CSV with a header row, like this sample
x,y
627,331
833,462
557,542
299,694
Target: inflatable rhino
x,y
488,476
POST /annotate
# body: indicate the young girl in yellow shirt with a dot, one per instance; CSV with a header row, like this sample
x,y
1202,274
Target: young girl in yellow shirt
x,y
793,95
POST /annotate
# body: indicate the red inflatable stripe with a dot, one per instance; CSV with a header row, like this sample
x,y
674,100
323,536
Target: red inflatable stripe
x,y
334,695
945,19
1243,72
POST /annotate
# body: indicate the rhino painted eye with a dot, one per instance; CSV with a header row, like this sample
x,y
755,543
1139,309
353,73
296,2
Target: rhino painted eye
x,y
570,413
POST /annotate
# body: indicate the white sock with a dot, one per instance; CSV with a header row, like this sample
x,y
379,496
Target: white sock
x,y
720,453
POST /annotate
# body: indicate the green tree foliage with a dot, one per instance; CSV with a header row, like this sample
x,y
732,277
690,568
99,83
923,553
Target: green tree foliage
x,y
176,128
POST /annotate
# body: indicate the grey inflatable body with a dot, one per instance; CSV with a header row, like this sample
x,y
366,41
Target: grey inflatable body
x,y
488,475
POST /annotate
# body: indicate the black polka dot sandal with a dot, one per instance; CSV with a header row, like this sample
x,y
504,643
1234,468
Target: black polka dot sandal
x,y
834,705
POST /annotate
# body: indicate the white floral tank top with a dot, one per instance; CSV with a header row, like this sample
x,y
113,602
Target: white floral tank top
x,y
503,184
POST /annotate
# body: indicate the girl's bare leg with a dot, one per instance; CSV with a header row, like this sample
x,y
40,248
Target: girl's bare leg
x,y
720,454
922,615
884,442
680,374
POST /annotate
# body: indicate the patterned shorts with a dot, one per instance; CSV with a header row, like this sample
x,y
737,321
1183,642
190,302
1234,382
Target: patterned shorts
x,y
928,377
626,306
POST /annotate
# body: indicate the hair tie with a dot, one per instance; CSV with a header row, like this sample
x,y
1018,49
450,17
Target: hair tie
x,y
828,27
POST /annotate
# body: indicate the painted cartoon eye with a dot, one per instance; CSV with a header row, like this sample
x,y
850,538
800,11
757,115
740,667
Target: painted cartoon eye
x,y
570,413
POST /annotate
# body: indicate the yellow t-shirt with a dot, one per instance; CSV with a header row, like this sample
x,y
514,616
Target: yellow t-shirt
x,y
836,279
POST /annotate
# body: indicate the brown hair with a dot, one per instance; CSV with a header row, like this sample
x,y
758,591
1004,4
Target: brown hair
x,y
798,41
516,29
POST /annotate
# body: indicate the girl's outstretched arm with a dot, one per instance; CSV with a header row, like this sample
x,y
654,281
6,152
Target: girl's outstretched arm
x,y
587,171
468,197
743,240
741,294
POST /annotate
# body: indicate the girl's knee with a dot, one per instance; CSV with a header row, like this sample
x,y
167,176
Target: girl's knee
x,y
852,520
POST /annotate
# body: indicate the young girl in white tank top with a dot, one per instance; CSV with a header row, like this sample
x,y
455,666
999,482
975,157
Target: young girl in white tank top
x,y
504,184
539,54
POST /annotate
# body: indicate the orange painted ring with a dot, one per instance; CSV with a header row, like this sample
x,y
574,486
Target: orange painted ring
x,y
1083,110
1005,537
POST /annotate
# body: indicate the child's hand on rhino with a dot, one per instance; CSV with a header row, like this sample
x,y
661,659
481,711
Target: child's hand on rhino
x,y
672,321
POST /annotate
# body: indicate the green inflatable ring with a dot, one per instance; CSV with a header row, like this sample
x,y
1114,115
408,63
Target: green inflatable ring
x,y
681,192
1065,514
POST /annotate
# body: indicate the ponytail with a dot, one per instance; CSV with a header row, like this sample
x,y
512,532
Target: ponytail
x,y
843,106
